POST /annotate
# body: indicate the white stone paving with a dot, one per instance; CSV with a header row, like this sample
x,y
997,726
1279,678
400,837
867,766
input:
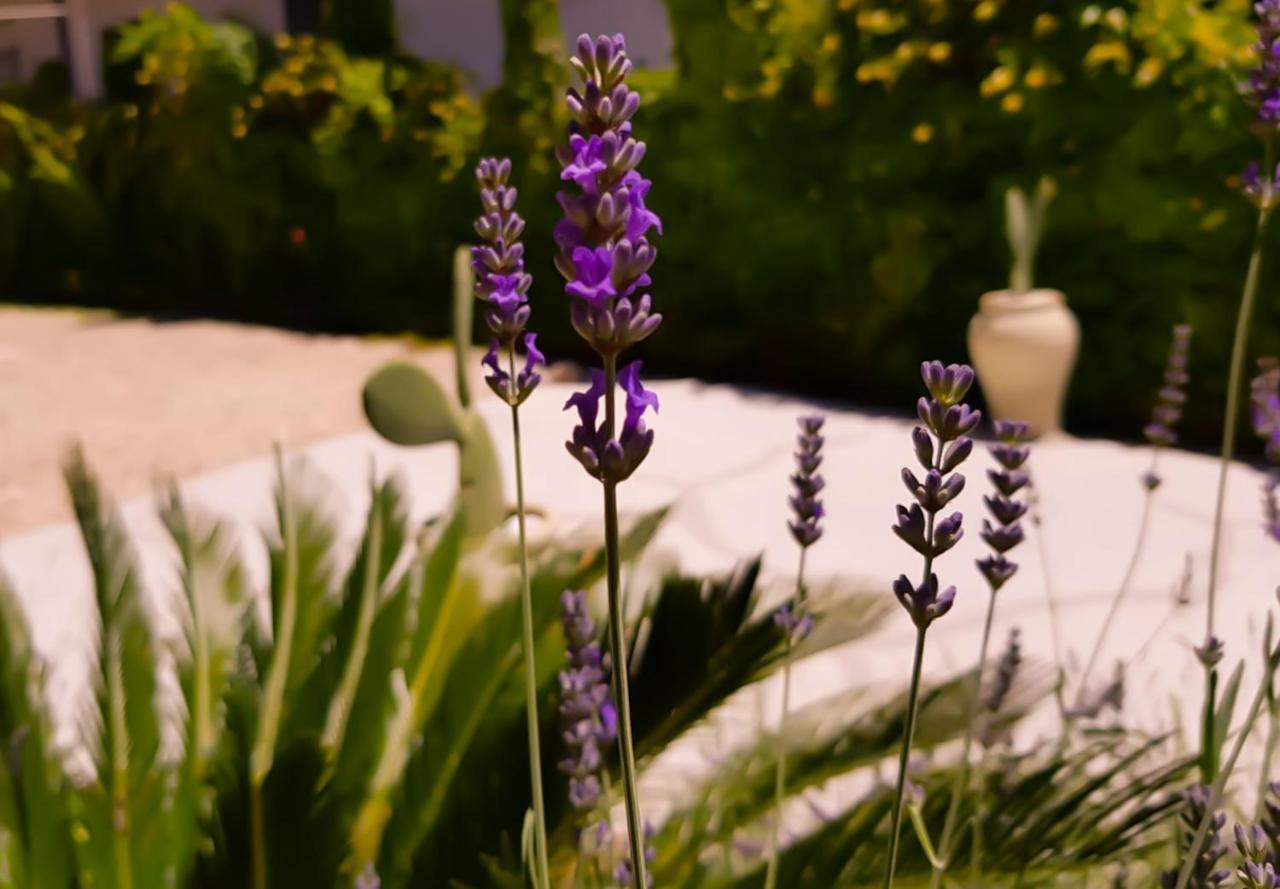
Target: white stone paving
x,y
722,458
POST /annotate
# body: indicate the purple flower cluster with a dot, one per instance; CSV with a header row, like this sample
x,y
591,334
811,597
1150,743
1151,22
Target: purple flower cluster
x,y
1265,398
622,873
806,527
1205,873
1172,396
502,282
1170,399
602,455
589,719
998,691
1264,78
1010,453
941,445
1256,870
604,253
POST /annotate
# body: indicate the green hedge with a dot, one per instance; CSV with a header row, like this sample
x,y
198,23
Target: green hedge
x,y
830,173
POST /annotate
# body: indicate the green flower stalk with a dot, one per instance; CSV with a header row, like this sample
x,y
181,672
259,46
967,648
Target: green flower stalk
x,y
941,444
1161,433
604,254
503,284
806,528
1260,188
1002,536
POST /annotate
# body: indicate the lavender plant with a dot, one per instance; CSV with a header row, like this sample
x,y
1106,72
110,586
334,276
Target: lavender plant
x,y
1010,453
1256,870
941,445
1260,186
1201,853
502,283
1160,433
1265,399
806,529
604,255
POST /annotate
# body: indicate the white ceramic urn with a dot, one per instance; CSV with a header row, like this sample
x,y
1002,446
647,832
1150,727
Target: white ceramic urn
x,y
1023,345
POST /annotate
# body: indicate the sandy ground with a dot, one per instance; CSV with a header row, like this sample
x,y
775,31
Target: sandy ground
x,y
151,401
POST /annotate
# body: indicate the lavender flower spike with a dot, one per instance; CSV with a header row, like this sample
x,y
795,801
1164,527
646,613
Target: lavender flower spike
x,y
1171,398
1006,533
806,527
941,445
587,714
1205,874
1256,870
501,282
604,253
1265,403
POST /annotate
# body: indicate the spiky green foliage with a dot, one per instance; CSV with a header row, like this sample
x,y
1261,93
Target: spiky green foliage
x,y
375,718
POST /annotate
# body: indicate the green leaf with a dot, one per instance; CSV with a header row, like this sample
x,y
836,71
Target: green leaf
x,y
215,594
407,406
124,819
480,478
447,611
302,607
464,300
35,847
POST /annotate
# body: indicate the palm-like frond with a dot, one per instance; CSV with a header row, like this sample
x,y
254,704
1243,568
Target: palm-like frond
x,y
121,812
215,596
36,849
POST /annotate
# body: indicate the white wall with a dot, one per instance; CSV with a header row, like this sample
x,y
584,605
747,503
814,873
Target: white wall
x,y
467,32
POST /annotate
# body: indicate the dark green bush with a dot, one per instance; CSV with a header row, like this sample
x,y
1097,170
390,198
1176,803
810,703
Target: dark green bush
x,y
830,173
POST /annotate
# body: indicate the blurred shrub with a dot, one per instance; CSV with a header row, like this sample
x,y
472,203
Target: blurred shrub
x,y
830,172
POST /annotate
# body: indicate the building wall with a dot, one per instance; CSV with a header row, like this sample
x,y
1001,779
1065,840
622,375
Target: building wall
x,y
467,32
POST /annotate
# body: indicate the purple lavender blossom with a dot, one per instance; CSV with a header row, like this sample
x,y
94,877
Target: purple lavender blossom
x,y
1265,402
1264,78
1210,652
502,283
587,713
1205,873
1263,91
941,445
603,250
1167,412
1256,870
603,457
1010,453
806,527
622,873
991,733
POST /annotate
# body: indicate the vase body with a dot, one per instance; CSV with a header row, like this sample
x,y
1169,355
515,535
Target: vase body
x,y
1023,346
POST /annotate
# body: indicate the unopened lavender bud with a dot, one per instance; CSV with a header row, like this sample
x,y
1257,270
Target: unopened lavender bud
x,y
806,525
1210,652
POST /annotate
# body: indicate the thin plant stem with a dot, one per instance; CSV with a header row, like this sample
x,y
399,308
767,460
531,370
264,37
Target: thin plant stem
x,y
1046,579
1139,545
962,775
1220,782
913,699
617,645
1268,754
542,872
1234,380
780,778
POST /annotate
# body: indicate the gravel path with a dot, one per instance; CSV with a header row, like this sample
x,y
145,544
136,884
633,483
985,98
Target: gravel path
x,y
152,400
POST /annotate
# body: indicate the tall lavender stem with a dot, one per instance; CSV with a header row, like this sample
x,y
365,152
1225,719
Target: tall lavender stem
x,y
501,282
1011,454
941,444
806,528
1161,433
1220,781
604,255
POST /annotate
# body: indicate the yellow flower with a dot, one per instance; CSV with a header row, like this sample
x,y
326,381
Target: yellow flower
x,y
283,41
1036,78
1044,25
922,133
940,52
823,97
1113,52
831,42
1012,103
985,11
996,82
1148,71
